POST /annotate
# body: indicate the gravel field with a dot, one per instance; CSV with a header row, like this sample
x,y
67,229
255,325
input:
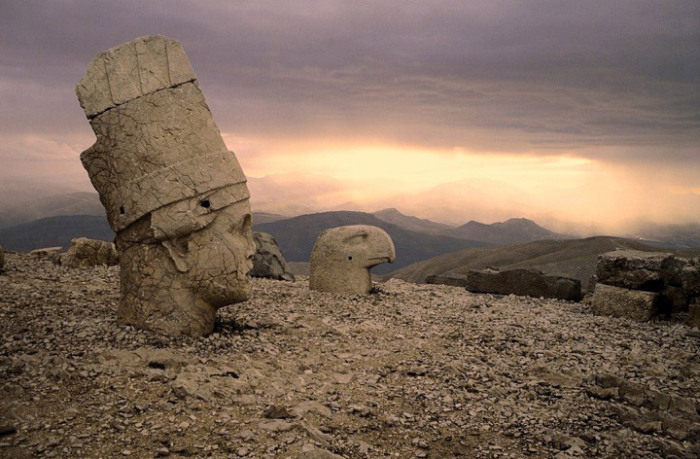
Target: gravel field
x,y
409,371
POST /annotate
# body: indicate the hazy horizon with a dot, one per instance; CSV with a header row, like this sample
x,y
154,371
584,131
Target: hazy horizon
x,y
574,114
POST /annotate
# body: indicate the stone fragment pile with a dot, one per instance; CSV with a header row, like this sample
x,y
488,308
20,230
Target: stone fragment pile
x,y
640,285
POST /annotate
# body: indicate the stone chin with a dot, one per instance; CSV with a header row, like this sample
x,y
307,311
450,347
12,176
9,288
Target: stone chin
x,y
223,292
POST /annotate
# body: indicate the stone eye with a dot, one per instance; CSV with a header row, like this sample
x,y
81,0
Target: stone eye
x,y
350,257
205,203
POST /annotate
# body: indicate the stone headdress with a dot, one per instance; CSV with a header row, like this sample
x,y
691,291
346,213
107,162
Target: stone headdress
x,y
157,143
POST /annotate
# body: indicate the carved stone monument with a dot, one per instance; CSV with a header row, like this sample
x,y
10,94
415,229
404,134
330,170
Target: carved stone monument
x,y
342,257
174,194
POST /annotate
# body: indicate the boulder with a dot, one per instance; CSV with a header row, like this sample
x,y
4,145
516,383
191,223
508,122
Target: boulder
x,y
53,254
635,270
342,257
523,282
636,305
268,261
84,253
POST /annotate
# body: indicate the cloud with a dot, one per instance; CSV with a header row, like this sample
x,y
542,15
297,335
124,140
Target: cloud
x,y
612,82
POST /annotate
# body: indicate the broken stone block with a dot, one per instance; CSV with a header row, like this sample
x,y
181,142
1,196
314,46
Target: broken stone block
x,y
634,269
694,315
454,281
690,277
84,253
268,261
674,299
614,301
53,254
342,257
523,282
174,194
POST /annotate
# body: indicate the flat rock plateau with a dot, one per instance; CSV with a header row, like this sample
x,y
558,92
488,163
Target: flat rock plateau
x,y
409,371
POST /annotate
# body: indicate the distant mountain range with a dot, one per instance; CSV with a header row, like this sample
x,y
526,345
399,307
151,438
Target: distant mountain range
x,y
297,236
570,258
28,210
27,224
54,232
512,231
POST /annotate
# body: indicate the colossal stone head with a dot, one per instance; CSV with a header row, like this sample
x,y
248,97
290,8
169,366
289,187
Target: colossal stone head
x,y
342,257
174,194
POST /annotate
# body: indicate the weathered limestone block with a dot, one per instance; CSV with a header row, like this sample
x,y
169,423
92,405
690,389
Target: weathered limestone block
x,y
174,194
690,277
84,253
523,282
268,261
342,257
53,254
614,301
633,269
694,313
454,281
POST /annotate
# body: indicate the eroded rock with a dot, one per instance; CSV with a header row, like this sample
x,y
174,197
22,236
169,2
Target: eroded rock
x,y
523,282
614,301
174,194
634,269
268,261
342,257
84,253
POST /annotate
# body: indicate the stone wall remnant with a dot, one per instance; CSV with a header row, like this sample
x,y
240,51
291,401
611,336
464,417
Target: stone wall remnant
x,y
523,282
268,261
614,301
673,283
633,269
342,257
174,194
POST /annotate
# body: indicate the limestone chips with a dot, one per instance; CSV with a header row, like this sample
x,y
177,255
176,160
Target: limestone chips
x,y
174,194
342,257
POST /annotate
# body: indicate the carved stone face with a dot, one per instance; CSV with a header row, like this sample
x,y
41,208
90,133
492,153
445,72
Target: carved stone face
x,y
223,257
216,255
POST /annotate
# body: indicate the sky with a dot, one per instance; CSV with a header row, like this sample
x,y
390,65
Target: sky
x,y
570,112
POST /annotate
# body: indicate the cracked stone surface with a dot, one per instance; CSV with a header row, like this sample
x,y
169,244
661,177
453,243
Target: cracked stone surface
x,y
342,257
84,252
409,371
174,194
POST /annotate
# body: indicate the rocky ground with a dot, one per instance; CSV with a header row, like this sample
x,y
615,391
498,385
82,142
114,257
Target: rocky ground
x,y
410,371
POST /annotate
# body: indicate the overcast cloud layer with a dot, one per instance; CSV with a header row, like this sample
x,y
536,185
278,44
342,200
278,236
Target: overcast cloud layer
x,y
616,81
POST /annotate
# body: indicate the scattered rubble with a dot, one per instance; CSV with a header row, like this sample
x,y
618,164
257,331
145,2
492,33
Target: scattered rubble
x,y
409,371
